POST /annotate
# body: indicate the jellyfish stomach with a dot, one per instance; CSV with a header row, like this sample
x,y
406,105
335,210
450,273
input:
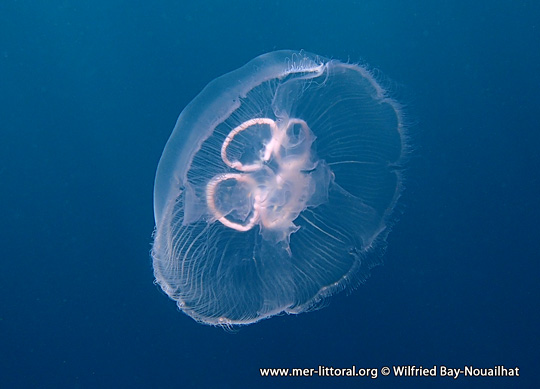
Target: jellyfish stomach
x,y
279,184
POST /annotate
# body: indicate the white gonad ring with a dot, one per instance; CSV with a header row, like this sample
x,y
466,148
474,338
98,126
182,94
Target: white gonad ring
x,y
210,200
276,193
242,127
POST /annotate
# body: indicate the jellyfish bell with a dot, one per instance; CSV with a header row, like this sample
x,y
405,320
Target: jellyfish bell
x,y
274,188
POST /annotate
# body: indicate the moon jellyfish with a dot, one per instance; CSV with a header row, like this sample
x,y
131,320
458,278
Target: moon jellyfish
x,y
276,188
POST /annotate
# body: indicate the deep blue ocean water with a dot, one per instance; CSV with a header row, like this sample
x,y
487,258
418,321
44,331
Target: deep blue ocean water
x,y
89,94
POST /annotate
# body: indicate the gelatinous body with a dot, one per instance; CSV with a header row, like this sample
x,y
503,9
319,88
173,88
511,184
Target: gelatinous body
x,y
274,188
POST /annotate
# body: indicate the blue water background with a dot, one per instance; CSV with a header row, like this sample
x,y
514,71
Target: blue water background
x,y
89,93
